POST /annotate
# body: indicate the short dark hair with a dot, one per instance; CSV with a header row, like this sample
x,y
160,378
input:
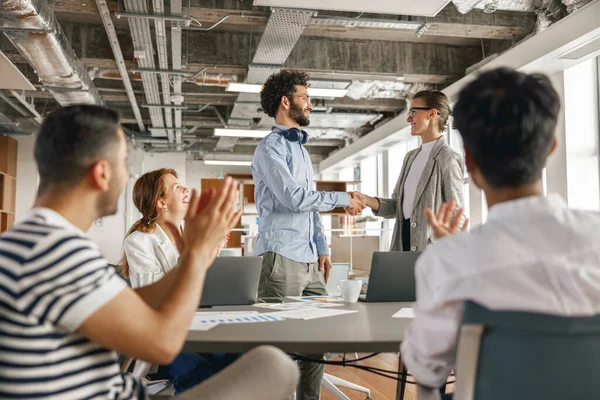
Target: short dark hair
x,y
507,119
71,139
278,85
439,101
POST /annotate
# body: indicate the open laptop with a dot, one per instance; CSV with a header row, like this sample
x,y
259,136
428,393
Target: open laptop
x,y
232,281
392,277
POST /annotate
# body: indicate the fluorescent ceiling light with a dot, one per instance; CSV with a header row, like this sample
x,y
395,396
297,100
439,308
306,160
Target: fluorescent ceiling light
x,y
243,87
224,162
313,92
252,133
367,23
317,92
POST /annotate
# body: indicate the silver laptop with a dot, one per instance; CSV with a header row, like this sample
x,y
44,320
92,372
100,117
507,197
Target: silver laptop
x,y
232,281
392,277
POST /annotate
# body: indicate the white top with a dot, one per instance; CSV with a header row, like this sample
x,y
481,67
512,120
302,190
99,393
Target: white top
x,y
412,179
149,256
533,254
53,278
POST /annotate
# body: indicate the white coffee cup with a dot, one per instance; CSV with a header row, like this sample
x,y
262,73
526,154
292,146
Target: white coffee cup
x,y
350,290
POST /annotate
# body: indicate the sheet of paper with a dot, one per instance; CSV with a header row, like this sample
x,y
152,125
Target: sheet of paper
x,y
202,326
233,317
317,299
404,313
311,313
297,305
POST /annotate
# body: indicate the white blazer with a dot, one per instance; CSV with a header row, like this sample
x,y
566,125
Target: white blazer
x,y
149,256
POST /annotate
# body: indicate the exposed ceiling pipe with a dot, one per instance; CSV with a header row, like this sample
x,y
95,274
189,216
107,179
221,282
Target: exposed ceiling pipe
x,y
14,105
176,9
37,35
574,5
144,55
9,127
163,64
548,11
281,34
38,118
118,54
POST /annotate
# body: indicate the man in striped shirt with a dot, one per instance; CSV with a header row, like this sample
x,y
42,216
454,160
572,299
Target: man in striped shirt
x,y
64,313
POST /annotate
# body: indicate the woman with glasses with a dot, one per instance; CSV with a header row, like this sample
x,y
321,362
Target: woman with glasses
x,y
431,175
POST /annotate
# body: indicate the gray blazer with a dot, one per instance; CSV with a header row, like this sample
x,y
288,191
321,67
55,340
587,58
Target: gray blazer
x,y
442,180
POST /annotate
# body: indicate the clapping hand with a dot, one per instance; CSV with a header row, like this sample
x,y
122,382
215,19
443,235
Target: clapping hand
x,y
357,203
443,224
209,219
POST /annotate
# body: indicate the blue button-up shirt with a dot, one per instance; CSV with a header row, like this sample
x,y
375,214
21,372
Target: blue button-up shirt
x,y
287,204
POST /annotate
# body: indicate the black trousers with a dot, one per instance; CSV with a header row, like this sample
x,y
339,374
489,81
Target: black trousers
x,y
406,235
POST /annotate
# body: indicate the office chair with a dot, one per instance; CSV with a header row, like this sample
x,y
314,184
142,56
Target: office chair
x,y
523,356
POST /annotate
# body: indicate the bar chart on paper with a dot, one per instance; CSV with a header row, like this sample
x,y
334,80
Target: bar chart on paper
x,y
208,320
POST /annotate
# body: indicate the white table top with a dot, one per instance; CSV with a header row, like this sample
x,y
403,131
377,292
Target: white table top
x,y
371,329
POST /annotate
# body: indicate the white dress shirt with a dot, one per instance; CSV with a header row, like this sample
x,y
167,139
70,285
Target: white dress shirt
x,y
149,256
533,254
413,177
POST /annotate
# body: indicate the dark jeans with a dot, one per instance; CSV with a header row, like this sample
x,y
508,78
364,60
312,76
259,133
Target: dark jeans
x,y
189,369
447,396
406,235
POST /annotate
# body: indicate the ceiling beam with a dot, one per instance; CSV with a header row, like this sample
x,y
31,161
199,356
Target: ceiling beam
x,y
449,23
366,56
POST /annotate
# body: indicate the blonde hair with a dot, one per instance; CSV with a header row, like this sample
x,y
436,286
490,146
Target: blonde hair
x,y
439,101
147,191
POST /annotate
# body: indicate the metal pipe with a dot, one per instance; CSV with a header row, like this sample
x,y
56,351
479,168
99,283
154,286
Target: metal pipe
x,y
14,105
118,54
167,106
152,17
218,114
144,52
162,129
48,53
38,118
213,26
176,57
159,71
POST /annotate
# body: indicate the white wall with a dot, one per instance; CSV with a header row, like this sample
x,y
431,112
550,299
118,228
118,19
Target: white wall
x,y
176,161
196,171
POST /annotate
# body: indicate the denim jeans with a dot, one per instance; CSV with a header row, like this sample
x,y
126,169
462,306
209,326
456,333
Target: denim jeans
x,y
189,369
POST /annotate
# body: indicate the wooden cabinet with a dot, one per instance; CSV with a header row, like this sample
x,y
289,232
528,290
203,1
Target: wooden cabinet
x,y
336,186
8,181
248,193
235,240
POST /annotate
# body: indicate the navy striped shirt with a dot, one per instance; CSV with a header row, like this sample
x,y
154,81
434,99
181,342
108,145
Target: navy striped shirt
x,y
52,278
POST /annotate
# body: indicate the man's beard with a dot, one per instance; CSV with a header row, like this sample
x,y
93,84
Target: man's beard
x,y
297,114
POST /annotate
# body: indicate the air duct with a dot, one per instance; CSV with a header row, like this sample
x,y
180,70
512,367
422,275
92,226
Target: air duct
x,y
31,27
548,11
281,34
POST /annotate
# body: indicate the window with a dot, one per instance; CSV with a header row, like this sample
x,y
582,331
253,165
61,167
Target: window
x,y
582,133
368,185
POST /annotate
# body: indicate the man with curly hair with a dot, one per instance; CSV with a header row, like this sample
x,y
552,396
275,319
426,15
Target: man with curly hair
x,y
291,239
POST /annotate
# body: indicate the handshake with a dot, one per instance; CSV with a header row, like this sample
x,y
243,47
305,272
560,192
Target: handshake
x,y
357,203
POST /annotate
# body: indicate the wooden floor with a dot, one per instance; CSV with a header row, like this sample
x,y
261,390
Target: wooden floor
x,y
381,388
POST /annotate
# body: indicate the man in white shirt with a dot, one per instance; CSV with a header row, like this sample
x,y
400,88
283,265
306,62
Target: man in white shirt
x,y
533,253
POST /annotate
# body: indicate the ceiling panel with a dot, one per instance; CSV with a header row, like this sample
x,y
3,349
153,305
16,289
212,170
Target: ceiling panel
x,y
428,8
11,77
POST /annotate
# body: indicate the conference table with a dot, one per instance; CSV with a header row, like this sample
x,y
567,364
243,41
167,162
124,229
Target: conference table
x,y
369,330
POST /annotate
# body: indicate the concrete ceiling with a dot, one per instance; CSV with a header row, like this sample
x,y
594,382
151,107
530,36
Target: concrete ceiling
x,y
384,57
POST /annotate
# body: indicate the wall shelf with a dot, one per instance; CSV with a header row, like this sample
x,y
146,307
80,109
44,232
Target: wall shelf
x,y
8,181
